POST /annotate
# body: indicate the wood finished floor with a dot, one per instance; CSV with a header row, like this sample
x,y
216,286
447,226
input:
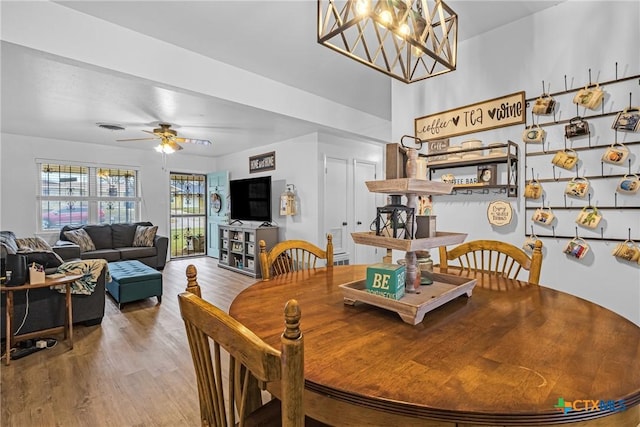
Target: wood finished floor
x,y
134,369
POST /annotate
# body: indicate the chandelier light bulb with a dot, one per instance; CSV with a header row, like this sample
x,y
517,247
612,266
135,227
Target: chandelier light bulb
x,y
362,7
403,30
385,17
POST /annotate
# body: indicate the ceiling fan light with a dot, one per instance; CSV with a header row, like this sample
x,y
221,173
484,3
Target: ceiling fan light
x,y
164,148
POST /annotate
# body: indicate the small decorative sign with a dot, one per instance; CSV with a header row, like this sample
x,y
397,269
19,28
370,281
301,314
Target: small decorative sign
x,y
495,113
438,146
262,162
499,213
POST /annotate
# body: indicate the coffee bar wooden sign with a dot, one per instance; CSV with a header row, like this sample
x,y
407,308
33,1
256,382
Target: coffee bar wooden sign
x,y
495,113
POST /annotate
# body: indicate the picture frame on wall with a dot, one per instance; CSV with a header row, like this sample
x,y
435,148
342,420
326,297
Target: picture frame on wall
x,y
487,174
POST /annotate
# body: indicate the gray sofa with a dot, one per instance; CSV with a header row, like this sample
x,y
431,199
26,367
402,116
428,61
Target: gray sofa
x,y
114,242
46,307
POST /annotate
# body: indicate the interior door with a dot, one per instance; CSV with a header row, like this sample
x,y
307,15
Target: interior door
x,y
217,209
364,210
335,202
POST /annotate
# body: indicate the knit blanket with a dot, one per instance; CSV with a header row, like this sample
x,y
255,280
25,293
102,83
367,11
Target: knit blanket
x,y
90,270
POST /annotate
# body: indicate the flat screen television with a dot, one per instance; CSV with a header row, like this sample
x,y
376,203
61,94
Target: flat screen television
x,y
251,199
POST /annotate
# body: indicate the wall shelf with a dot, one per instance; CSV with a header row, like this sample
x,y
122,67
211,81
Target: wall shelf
x,y
510,158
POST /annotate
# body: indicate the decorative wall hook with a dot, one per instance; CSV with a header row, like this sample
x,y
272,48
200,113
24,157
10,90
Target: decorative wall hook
x,y
417,141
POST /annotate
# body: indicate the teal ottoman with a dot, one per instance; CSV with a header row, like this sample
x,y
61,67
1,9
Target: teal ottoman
x,y
132,281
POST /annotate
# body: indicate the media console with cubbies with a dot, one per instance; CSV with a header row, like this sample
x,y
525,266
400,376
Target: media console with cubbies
x,y
239,247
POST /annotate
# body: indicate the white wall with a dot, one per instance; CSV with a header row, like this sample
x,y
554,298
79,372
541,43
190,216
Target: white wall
x,y
299,161
295,164
19,177
567,39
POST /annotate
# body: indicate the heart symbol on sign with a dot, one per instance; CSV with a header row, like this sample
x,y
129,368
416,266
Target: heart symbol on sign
x,y
492,113
456,119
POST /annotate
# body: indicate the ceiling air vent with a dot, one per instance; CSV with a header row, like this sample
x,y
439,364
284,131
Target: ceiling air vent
x,y
110,126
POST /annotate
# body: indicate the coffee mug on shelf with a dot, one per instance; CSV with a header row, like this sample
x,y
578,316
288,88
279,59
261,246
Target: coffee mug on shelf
x,y
530,243
589,97
449,178
534,134
628,251
566,159
533,190
576,248
627,120
629,184
543,216
544,105
616,154
577,187
576,127
589,217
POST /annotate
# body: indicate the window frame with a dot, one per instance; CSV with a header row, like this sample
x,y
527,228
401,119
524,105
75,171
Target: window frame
x,y
92,199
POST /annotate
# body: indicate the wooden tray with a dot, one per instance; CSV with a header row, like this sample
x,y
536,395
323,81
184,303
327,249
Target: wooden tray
x,y
442,239
412,307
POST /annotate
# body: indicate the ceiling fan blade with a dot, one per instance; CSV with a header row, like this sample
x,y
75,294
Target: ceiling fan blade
x,y
173,144
148,131
193,141
136,139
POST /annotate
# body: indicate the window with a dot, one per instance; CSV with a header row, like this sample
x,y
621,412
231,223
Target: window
x,y
76,195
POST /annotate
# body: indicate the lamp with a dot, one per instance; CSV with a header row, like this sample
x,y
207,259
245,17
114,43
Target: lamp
x,y
409,40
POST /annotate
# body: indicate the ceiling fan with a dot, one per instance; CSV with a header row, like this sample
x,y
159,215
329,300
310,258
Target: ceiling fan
x,y
168,139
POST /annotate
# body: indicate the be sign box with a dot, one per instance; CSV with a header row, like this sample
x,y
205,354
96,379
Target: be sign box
x,y
386,280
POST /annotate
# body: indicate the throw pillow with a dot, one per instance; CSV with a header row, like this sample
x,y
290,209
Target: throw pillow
x,y
81,238
122,235
45,259
144,235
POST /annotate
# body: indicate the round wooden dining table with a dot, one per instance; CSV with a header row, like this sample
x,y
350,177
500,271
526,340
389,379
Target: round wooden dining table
x,y
511,354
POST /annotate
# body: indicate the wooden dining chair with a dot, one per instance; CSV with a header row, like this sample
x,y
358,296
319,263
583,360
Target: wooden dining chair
x,y
292,255
492,256
252,363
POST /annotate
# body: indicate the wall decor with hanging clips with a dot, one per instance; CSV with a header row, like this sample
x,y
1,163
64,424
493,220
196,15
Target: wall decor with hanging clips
x,y
588,163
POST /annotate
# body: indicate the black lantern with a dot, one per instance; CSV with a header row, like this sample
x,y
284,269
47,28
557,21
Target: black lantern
x,y
392,220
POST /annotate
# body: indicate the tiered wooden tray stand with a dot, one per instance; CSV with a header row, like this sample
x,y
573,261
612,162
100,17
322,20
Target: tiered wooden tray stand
x,y
417,301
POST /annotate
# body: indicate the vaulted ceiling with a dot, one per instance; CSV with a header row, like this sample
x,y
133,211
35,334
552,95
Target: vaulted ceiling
x,y
51,96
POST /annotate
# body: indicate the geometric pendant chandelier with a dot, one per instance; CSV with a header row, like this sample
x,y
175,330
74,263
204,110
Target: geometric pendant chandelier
x,y
409,40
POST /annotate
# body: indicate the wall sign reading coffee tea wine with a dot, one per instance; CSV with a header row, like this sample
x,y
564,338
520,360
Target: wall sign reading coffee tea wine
x,y
495,113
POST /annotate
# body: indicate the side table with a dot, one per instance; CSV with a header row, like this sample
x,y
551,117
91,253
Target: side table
x,y
67,328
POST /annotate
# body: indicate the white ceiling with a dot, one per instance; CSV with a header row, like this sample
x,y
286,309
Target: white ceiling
x,y
49,96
